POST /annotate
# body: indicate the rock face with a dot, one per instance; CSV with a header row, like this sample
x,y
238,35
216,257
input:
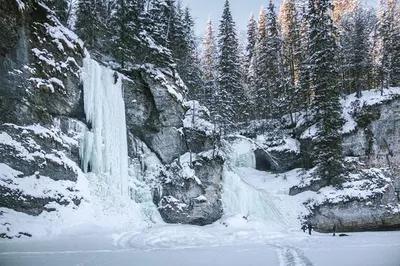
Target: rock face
x,y
375,143
377,137
40,102
191,194
41,106
377,213
39,66
38,168
154,111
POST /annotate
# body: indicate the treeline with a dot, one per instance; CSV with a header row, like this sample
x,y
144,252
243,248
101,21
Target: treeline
x,y
135,32
301,62
276,72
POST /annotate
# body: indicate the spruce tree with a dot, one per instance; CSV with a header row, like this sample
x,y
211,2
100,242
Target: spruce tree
x,y
262,83
160,19
188,59
274,70
90,25
326,103
292,56
209,69
250,68
389,34
124,31
355,58
303,94
230,94
251,38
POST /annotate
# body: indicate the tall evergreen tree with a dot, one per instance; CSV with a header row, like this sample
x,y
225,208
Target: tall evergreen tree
x,y
355,58
90,25
161,18
304,93
124,30
230,93
292,55
262,84
209,68
274,70
389,49
250,68
188,59
326,104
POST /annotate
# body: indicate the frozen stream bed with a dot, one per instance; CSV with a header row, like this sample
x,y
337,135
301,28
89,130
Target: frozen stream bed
x,y
211,245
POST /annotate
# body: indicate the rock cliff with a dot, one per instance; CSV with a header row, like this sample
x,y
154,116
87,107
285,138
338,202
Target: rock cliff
x,y
42,122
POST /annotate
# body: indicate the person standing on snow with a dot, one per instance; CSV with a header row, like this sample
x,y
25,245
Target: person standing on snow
x,y
309,227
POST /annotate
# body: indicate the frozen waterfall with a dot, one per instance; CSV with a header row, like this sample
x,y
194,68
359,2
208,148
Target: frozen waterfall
x,y
104,151
241,197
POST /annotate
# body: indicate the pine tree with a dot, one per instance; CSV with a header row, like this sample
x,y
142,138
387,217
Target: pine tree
x,y
188,59
124,30
303,95
326,103
90,22
154,32
389,50
160,18
209,69
249,65
274,70
292,55
262,84
251,38
230,94
356,60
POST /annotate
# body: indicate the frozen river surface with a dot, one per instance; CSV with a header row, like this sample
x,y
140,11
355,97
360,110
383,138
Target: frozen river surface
x,y
212,245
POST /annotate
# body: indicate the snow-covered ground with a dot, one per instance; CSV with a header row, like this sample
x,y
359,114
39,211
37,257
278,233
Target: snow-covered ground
x,y
265,234
211,245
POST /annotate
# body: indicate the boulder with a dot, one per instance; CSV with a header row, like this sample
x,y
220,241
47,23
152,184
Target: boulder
x,y
191,194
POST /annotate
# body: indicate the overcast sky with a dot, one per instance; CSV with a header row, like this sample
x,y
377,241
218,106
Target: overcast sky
x,y
241,9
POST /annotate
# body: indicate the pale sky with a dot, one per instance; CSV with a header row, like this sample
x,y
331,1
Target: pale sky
x,y
241,9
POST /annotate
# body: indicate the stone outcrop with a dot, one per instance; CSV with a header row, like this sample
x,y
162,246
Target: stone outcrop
x,y
191,193
380,212
154,113
39,66
41,104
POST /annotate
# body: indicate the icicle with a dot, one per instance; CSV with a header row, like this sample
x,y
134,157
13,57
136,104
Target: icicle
x,y
104,149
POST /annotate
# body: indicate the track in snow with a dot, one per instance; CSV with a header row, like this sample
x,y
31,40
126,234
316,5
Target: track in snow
x,y
290,256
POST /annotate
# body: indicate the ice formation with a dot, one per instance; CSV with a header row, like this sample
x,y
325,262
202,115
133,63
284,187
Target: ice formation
x,y
104,151
240,196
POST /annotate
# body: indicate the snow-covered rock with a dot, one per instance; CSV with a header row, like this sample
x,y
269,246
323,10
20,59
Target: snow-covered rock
x,y
190,191
154,111
39,66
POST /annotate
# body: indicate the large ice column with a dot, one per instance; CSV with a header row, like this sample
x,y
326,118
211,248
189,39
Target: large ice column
x,y
104,150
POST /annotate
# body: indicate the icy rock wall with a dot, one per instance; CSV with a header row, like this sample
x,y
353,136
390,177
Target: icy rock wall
x,y
104,150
